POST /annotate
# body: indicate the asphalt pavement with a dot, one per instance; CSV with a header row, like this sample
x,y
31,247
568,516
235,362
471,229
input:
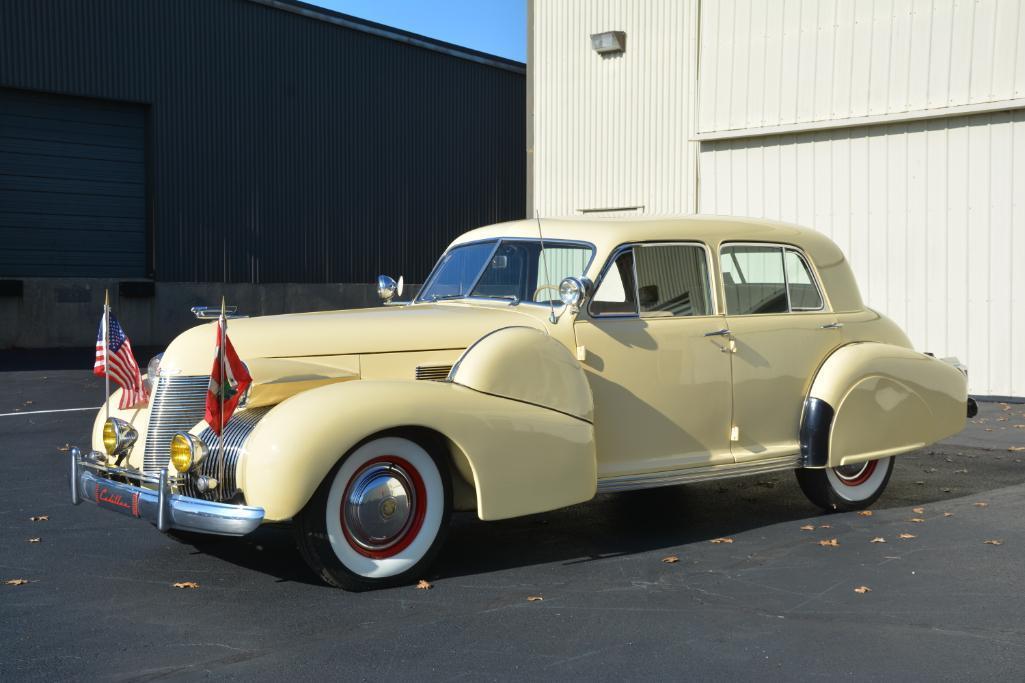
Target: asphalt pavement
x,y
769,601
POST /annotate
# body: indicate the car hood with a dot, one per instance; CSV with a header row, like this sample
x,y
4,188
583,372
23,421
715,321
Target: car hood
x,y
387,329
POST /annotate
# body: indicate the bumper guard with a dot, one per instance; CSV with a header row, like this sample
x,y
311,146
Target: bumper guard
x,y
90,481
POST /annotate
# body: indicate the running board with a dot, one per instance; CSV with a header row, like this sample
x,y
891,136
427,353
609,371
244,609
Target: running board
x,y
697,474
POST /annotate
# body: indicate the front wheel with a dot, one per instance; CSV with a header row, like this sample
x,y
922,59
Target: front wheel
x,y
846,488
379,517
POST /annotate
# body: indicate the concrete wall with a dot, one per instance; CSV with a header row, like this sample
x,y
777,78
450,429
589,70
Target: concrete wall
x,y
65,312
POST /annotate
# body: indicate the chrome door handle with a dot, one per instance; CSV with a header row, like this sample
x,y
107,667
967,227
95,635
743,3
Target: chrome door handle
x,y
718,333
831,326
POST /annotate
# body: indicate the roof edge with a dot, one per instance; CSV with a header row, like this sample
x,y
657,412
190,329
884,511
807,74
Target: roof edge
x,y
390,33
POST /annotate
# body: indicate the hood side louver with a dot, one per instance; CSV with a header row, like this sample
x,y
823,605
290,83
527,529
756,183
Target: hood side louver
x,y
434,373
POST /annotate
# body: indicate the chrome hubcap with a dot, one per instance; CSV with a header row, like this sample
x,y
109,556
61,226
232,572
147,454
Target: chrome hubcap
x,y
378,506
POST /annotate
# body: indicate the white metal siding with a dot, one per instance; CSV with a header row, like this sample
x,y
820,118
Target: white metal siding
x,y
613,132
777,62
931,215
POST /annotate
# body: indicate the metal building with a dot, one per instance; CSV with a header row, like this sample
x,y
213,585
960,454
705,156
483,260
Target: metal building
x,y
896,127
144,145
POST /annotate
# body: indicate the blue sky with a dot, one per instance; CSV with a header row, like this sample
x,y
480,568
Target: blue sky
x,y
495,26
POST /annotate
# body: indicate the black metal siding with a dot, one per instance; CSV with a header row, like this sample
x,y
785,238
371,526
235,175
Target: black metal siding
x,y
72,187
284,148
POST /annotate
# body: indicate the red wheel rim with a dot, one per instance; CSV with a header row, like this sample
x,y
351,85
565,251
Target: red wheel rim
x,y
405,474
859,477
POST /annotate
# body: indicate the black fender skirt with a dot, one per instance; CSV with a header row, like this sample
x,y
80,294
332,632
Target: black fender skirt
x,y
815,425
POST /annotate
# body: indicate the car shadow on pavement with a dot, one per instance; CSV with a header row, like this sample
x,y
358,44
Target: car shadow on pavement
x,y
635,522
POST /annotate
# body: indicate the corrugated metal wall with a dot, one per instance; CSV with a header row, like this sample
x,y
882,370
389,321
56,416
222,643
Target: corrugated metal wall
x,y
613,132
929,213
777,62
285,148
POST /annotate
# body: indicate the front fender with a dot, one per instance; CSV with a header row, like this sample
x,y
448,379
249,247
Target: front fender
x,y
873,400
523,458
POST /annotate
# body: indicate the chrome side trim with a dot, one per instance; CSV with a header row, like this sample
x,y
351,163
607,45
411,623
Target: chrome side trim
x,y
160,507
178,403
692,475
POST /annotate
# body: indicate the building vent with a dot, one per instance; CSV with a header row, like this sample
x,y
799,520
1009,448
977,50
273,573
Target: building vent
x,y
435,373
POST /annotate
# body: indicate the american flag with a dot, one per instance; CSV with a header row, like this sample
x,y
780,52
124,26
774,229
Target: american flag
x,y
123,368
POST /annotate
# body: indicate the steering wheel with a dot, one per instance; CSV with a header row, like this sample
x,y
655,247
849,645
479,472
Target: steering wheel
x,y
541,288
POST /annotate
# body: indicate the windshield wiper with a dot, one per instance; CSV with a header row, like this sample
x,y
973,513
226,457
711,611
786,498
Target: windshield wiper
x,y
511,298
442,297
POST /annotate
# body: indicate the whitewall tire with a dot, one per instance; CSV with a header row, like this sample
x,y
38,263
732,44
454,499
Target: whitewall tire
x,y
379,517
851,487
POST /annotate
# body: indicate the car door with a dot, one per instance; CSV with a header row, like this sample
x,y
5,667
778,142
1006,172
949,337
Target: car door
x,y
781,330
662,389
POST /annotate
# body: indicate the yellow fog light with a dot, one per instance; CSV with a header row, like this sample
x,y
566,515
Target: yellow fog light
x,y
187,451
118,436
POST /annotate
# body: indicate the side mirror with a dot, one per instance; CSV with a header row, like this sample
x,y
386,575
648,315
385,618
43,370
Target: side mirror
x,y
388,288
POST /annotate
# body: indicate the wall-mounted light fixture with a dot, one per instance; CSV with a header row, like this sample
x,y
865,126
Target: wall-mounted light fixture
x,y
609,42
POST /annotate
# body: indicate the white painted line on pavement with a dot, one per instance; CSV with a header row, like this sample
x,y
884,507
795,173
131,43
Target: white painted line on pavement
x,y
40,412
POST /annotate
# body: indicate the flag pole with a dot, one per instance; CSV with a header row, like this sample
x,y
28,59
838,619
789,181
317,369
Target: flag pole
x,y
220,436
106,352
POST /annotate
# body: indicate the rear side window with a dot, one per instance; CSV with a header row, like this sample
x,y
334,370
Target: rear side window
x,y
767,279
663,280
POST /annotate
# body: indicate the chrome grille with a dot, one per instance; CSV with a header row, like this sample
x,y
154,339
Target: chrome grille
x,y
433,372
178,403
236,432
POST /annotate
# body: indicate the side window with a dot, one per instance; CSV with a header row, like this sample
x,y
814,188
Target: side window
x,y
672,280
616,294
753,279
804,295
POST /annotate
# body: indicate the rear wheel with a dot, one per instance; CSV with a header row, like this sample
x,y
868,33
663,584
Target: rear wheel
x,y
379,517
849,487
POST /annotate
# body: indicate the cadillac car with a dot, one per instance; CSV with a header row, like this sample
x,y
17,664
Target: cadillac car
x,y
541,363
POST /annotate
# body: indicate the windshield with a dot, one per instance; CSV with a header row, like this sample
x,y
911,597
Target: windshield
x,y
506,269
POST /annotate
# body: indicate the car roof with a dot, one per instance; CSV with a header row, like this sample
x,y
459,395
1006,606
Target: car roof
x,y
608,233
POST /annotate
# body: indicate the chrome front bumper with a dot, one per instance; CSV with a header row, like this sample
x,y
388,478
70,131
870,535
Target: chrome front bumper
x,y
90,481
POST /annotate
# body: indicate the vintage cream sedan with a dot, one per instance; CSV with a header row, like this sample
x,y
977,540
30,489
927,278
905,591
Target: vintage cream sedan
x,y
528,374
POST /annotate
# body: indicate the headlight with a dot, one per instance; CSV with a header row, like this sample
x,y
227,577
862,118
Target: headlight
x,y
187,451
118,436
152,372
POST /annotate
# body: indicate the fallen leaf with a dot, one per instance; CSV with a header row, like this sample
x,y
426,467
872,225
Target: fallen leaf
x,y
994,541
535,598
878,539
948,514
830,543
40,518
919,483
918,511
945,490
982,504
186,584
825,526
1015,449
865,513
721,540
16,582
27,403
424,585
1004,406
964,471
65,448
862,590
33,540
916,520
906,536
808,527
670,559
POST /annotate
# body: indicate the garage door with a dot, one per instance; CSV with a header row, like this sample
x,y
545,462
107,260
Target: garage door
x,y
72,187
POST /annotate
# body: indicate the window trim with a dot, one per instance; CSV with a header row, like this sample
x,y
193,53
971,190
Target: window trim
x,y
783,247
709,272
498,243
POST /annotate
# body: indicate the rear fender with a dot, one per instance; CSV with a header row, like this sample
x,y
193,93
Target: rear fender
x,y
522,458
873,400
